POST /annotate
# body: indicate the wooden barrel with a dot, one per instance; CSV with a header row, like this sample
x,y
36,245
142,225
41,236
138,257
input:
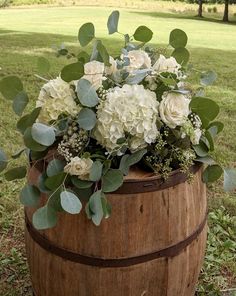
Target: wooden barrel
x,y
152,245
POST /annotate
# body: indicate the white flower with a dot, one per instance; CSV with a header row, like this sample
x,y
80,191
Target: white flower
x,y
110,70
139,59
79,167
195,137
164,64
174,109
56,97
94,72
131,110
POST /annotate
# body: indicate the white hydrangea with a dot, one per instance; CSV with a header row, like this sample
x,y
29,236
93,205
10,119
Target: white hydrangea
x,y
174,109
139,59
56,97
131,110
79,167
170,65
112,69
94,72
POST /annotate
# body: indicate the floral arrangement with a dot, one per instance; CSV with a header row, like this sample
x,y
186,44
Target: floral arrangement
x,y
104,114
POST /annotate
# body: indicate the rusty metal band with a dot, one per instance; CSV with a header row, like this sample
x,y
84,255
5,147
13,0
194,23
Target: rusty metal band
x,y
155,183
168,252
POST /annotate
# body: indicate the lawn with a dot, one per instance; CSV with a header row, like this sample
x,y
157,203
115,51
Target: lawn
x,y
26,34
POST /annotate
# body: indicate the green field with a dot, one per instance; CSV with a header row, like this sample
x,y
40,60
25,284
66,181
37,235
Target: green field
x,y
26,34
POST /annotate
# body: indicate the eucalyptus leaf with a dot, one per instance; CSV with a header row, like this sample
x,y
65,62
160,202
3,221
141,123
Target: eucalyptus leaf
x,y
137,77
178,39
95,206
28,120
72,72
106,208
112,23
143,34
31,143
43,65
86,93
87,119
30,196
208,78
86,34
230,179
181,55
206,159
212,173
10,86
55,201
83,57
215,128
55,167
20,102
55,181
81,184
128,160
96,171
70,202
44,218
3,161
41,183
112,180
103,53
210,140
16,173
201,149
205,108
43,134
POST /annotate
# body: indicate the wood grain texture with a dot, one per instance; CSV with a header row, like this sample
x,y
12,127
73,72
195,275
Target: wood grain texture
x,y
140,224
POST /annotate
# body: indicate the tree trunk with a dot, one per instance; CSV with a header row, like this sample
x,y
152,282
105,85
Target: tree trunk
x,y
200,3
226,12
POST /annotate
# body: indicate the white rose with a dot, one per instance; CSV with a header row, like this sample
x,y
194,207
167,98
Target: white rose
x,y
139,59
110,70
56,97
174,109
79,167
94,72
164,64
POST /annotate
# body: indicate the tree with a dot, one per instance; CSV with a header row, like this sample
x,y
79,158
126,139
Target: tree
x,y
4,3
226,11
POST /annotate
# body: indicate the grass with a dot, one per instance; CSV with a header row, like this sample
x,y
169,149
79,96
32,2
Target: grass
x,y
26,34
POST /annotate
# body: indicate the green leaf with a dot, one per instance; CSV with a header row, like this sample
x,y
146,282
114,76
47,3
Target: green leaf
x,y
112,180
178,39
201,149
96,171
210,140
16,173
143,34
41,183
44,218
103,53
20,102
84,194
43,65
215,128
81,184
10,86
55,201
43,134
128,160
86,34
55,167
31,143
83,57
3,161
208,78
86,93
70,202
212,173
205,108
230,179
28,120
112,23
181,55
106,208
30,196
72,72
87,119
95,206
55,181
206,159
